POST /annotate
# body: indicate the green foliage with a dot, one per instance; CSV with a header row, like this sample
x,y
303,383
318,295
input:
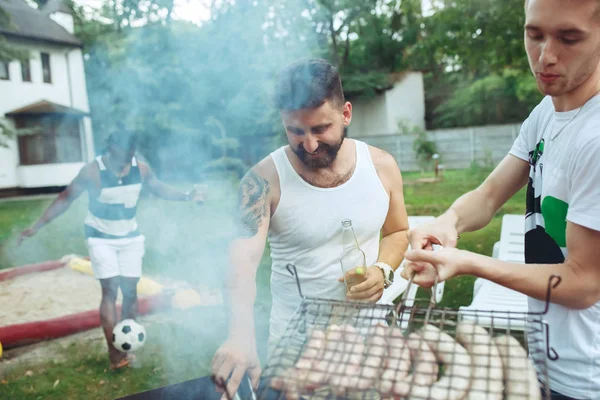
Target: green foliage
x,y
474,36
8,52
479,70
424,147
7,132
492,99
365,85
374,40
168,79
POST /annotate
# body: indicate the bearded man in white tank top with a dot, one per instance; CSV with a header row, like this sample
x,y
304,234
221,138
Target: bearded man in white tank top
x,y
297,197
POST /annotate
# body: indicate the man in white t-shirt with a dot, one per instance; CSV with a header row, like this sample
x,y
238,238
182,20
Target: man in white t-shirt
x,y
556,156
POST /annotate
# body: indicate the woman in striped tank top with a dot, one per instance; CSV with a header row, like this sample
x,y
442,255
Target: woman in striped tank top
x,y
114,181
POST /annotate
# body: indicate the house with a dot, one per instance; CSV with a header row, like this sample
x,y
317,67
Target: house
x,y
379,115
47,92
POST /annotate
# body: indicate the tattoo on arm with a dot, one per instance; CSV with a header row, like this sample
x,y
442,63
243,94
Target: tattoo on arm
x,y
253,206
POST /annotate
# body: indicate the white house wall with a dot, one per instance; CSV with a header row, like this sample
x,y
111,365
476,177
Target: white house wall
x,y
406,102
15,93
380,115
369,117
64,20
8,165
45,175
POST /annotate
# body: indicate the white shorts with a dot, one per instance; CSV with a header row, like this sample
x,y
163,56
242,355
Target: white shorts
x,y
116,257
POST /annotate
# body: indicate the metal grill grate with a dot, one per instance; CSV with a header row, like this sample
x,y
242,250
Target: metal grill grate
x,y
334,349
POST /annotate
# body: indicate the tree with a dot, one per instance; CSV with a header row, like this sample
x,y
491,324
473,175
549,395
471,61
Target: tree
x,y
129,13
474,36
367,40
478,67
171,82
7,51
200,93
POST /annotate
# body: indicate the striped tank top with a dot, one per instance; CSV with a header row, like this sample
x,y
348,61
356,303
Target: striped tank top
x,y
111,215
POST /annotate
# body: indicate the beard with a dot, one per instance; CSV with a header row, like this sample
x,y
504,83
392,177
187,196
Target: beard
x,y
572,81
327,154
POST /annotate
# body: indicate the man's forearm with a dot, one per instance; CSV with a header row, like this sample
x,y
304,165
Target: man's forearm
x,y
242,295
575,290
392,248
166,192
242,290
58,206
470,212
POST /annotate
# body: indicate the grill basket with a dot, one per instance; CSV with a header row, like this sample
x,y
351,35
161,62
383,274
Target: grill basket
x,y
412,350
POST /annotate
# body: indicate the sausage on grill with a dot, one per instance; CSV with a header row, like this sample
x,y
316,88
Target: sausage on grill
x,y
520,379
487,381
398,360
303,376
375,356
454,382
425,371
346,373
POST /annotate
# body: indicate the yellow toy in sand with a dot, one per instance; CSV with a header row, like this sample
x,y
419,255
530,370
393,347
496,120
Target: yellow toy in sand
x,y
0,349
183,298
145,287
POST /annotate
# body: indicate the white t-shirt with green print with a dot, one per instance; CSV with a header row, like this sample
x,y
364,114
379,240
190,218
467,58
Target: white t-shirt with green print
x,y
563,151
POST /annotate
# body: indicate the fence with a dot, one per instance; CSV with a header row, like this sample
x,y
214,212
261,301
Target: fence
x,y
458,147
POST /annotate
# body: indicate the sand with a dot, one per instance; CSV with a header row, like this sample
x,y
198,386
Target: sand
x,y
46,295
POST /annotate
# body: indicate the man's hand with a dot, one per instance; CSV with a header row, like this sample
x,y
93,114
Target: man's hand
x,y
231,361
445,263
441,231
25,234
369,291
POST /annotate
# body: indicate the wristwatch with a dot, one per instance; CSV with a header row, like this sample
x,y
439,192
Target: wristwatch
x,y
388,273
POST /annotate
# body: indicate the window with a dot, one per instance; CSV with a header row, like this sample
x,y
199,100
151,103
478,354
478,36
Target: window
x,y
26,70
59,140
4,74
46,71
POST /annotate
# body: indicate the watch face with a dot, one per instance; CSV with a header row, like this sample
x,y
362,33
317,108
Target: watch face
x,y
391,278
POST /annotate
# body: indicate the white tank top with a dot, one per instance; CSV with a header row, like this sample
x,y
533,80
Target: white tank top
x,y
306,230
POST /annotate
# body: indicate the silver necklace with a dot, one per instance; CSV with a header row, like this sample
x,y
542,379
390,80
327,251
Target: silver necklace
x,y
119,175
574,116
565,125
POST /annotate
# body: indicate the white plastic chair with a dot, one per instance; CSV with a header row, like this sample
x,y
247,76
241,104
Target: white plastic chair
x,y
490,296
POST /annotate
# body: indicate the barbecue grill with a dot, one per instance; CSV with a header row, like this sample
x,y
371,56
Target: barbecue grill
x,y
337,349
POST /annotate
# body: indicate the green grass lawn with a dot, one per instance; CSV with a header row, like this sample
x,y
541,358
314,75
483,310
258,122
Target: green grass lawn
x,y
188,242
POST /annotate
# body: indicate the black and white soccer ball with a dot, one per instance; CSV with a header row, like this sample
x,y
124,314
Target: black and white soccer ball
x,y
128,336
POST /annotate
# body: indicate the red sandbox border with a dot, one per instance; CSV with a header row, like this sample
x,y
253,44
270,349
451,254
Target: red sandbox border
x,y
22,334
30,269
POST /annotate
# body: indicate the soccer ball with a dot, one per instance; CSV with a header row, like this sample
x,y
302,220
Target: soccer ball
x,y
128,335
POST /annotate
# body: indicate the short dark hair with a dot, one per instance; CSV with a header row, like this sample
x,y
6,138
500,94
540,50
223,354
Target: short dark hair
x,y
123,139
308,83
595,15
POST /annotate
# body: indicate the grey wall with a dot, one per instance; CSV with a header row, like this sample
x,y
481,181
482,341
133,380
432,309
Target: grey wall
x,y
458,147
